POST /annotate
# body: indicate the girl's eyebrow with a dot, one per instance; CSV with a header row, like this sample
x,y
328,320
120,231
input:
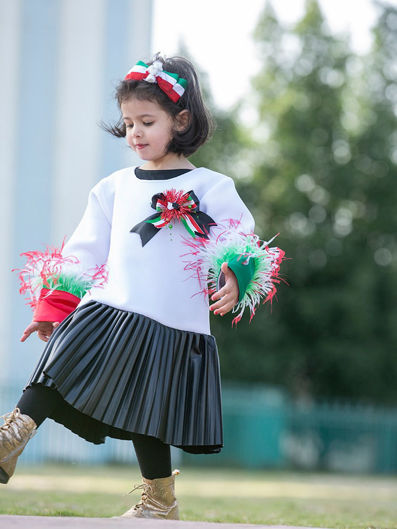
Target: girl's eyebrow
x,y
141,116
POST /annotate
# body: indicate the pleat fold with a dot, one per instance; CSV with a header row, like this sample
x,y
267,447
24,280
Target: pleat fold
x,y
121,373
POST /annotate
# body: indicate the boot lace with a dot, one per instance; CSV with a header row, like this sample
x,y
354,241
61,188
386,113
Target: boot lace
x,y
9,418
144,496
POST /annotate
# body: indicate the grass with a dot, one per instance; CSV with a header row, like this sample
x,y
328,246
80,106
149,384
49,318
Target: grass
x,y
214,495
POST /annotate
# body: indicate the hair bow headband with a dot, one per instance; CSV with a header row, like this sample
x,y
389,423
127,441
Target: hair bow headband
x,y
170,83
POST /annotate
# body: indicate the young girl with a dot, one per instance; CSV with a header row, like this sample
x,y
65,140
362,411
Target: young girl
x,y
129,352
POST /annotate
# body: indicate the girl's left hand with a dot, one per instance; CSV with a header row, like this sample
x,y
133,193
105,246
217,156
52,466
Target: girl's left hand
x,y
227,296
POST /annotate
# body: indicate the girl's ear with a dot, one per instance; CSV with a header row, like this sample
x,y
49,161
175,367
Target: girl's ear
x,y
182,120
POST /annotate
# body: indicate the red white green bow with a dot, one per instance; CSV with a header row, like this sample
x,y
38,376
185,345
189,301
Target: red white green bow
x,y
170,83
175,206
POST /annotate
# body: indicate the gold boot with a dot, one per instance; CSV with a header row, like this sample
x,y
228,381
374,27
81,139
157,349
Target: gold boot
x,y
157,501
14,434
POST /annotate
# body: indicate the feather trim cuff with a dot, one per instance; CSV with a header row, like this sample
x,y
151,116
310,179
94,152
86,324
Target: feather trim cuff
x,y
53,271
255,264
54,305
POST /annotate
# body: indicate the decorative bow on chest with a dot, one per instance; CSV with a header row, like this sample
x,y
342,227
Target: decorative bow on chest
x,y
175,206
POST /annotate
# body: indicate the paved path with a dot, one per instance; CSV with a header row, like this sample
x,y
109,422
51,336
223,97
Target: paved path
x,y
50,522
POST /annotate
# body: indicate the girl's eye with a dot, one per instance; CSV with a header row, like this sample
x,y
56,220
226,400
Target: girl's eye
x,y
131,125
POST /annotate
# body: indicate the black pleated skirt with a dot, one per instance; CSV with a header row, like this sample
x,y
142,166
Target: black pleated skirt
x,y
120,373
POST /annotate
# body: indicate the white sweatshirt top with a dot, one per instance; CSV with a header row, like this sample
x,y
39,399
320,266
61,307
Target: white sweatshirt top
x,y
150,279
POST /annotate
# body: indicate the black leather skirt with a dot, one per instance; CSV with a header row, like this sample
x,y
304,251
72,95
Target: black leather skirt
x,y
120,373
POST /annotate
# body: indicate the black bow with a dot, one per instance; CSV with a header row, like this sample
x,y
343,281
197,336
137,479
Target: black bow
x,y
174,206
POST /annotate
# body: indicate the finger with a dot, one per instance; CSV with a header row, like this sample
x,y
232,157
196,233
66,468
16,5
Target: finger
x,y
218,295
225,296
224,310
55,324
227,307
26,333
224,291
225,268
42,336
227,271
25,336
230,297
218,304
222,304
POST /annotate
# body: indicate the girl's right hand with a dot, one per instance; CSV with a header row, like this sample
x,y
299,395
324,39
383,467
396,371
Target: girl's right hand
x,y
44,329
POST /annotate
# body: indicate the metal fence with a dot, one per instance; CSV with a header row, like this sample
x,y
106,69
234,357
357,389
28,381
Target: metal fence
x,y
342,437
262,429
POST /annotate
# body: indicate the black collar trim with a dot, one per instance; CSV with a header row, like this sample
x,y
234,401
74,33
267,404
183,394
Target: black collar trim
x,y
159,174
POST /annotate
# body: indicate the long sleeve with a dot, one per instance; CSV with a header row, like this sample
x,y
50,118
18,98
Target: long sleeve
x,y
233,240
91,239
57,279
224,204
230,212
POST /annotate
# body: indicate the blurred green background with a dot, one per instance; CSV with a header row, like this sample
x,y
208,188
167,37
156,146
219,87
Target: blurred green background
x,y
323,159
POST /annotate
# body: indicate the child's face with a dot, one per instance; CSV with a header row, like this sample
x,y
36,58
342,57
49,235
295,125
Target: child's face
x,y
148,129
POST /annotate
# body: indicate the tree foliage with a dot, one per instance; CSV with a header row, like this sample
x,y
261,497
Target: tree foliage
x,y
323,156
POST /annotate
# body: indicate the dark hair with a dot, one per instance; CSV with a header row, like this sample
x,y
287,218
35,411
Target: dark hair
x,y
201,124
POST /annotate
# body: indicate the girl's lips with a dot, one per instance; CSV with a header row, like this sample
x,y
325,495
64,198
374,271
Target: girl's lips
x,y
140,145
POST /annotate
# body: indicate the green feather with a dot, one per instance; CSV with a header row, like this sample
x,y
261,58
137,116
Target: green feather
x,y
76,286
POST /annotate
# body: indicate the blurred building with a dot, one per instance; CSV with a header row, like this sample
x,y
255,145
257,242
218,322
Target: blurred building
x,y
60,61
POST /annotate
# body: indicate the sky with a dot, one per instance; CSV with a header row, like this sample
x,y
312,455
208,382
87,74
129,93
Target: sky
x,y
219,35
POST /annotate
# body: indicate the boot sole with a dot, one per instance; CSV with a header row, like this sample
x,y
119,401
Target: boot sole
x,y
4,477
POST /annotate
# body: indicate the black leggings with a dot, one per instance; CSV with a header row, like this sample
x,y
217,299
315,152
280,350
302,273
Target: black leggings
x,y
154,456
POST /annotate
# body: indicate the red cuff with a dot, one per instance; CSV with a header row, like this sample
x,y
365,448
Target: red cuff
x,y
55,306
